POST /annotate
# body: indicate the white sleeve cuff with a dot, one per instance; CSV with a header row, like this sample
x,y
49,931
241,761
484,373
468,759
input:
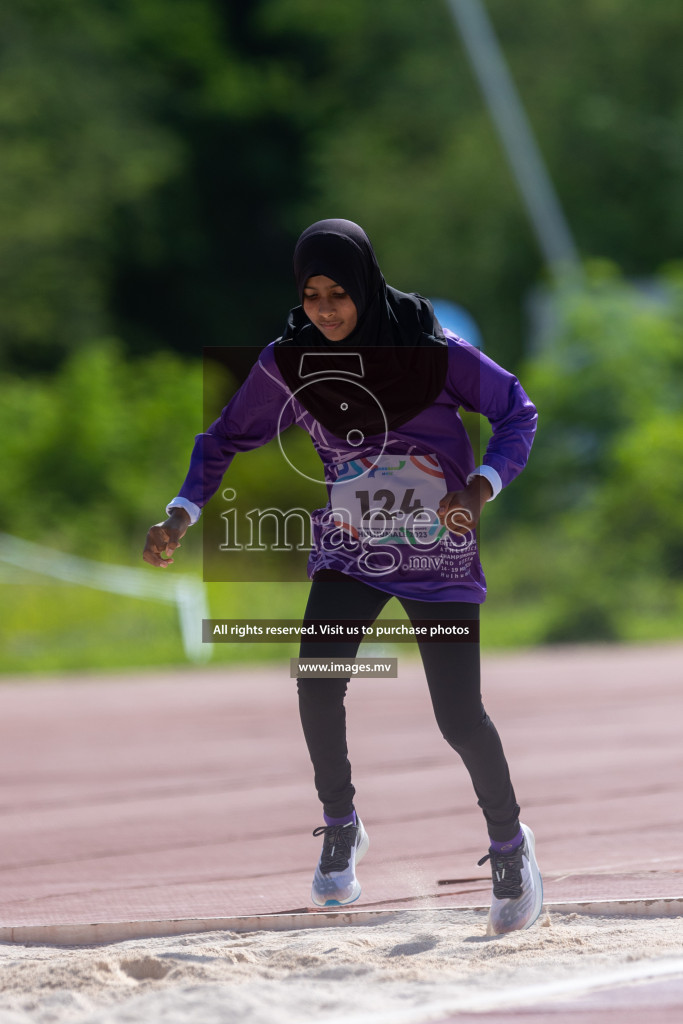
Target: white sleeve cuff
x,y
490,474
192,510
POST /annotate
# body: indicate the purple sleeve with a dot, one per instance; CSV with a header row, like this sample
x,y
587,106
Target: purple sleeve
x,y
480,385
253,416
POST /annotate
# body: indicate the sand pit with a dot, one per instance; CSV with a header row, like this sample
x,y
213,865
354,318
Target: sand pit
x,y
416,967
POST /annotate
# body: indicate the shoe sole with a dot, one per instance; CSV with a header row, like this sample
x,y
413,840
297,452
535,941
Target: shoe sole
x,y
361,850
536,875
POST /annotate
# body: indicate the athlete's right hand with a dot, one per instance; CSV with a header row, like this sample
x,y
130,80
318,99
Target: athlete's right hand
x,y
164,538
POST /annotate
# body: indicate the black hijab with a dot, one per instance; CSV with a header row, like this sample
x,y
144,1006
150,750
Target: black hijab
x,y
392,365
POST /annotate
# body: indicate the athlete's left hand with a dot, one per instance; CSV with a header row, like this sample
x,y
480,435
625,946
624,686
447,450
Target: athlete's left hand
x,y
459,511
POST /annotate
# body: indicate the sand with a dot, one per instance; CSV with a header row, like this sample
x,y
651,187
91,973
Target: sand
x,y
414,967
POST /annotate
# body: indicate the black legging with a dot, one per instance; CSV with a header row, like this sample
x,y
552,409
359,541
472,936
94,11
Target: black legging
x,y
452,671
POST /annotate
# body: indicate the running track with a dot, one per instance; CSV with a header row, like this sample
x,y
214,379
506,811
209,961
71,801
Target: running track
x,y
188,794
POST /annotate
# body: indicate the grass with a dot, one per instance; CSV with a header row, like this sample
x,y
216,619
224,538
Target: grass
x,y
58,627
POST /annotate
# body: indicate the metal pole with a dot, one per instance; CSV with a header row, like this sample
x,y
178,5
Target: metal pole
x,y
543,206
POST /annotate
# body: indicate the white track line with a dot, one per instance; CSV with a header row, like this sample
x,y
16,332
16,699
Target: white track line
x,y
521,996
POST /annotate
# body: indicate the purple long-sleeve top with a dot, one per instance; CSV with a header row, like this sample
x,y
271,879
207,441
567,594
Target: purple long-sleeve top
x,y
380,523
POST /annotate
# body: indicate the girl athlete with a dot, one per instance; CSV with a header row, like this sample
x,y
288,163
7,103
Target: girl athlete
x,y
377,383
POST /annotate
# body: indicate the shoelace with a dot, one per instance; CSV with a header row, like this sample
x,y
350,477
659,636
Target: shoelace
x,y
506,870
337,845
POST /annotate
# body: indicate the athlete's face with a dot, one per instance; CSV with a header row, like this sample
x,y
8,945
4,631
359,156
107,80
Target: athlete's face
x,y
329,307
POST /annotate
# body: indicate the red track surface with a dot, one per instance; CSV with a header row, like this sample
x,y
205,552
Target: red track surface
x,y
188,794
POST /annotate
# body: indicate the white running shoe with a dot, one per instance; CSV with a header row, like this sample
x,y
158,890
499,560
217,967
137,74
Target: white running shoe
x,y
517,887
335,883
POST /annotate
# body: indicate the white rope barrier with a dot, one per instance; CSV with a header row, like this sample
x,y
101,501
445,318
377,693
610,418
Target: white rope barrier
x,y
187,593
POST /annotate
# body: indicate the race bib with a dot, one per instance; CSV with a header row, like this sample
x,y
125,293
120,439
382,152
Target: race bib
x,y
391,499
382,522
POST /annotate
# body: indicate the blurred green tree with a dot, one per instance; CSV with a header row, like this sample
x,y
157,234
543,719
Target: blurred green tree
x,y
91,452
159,158
407,148
149,150
79,139
596,534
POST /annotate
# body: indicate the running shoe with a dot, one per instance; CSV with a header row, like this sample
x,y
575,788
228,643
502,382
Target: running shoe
x,y
517,887
335,883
